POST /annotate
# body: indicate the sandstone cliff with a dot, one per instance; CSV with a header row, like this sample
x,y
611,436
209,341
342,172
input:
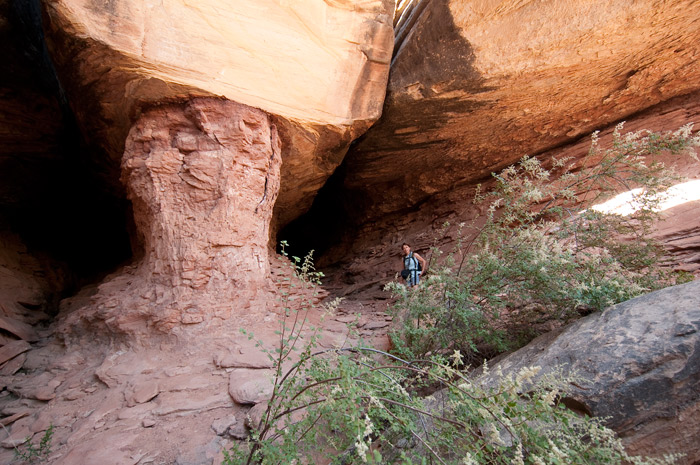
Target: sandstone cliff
x,y
321,67
315,70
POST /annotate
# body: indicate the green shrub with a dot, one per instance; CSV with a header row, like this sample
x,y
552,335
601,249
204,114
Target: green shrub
x,y
344,407
361,405
36,453
541,253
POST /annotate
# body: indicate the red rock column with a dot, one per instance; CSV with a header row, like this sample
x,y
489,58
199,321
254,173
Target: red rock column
x,y
203,177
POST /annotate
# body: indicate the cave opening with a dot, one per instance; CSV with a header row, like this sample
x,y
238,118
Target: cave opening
x,y
68,210
326,224
75,223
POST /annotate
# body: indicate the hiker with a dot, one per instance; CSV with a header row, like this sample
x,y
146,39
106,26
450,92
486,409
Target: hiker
x,y
413,264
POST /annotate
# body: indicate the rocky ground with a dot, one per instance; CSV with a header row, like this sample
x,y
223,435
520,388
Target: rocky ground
x,y
148,365
180,400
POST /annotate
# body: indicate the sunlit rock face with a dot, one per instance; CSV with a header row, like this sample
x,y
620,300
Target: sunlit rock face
x,y
220,120
475,85
321,67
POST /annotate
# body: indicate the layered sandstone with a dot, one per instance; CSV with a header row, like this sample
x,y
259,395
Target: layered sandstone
x,y
320,66
367,254
153,84
25,287
203,178
211,115
476,85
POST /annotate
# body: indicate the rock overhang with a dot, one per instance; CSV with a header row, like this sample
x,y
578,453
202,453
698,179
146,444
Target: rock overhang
x,y
319,68
475,86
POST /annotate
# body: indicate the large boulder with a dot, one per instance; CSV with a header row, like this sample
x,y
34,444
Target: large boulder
x,y
474,86
639,364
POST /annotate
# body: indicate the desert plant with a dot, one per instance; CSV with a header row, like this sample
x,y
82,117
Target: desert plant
x,y
541,252
361,405
35,453
296,340
350,408
347,407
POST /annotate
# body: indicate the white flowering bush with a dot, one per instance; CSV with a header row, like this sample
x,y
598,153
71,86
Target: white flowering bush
x,y
541,253
364,406
351,408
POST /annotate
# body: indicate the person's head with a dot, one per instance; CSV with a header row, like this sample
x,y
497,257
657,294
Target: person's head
x,y
406,248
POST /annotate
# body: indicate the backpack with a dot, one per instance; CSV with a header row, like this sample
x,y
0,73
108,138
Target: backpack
x,y
418,265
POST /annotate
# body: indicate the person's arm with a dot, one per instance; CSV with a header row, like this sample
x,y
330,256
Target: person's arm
x,y
421,260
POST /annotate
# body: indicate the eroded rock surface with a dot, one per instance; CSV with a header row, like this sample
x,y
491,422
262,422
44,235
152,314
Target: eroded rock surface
x,y
367,256
26,286
640,366
203,177
474,86
153,86
179,401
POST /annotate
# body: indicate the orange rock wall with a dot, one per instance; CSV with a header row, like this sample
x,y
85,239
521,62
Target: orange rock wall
x,y
476,85
203,177
320,67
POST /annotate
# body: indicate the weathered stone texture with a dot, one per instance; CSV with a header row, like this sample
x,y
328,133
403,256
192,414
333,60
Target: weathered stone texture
x,y
320,66
203,177
476,85
639,362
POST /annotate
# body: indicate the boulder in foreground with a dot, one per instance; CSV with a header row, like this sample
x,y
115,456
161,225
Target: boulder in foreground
x,y
640,365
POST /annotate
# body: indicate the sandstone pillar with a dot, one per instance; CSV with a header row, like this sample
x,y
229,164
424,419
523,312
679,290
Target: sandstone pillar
x,y
203,178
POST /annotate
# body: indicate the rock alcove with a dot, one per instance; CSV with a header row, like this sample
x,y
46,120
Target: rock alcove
x,y
143,197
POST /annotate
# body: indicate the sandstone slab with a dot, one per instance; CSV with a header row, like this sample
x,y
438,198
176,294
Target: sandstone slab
x,y
92,450
244,357
19,328
14,365
320,67
475,86
12,418
190,402
13,349
142,392
222,425
255,415
18,437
